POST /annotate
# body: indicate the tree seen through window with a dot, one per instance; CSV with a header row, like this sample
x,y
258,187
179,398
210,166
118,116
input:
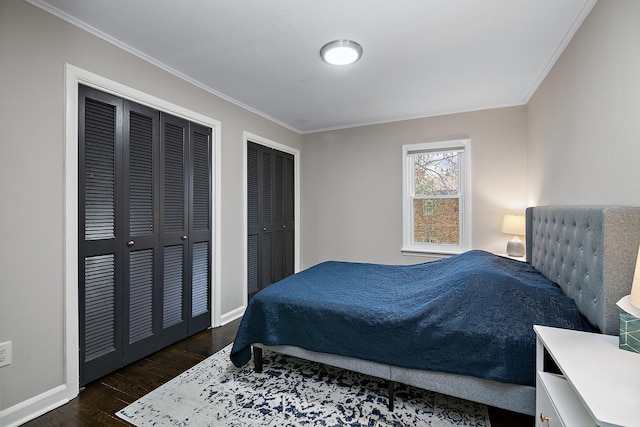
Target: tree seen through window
x,y
436,203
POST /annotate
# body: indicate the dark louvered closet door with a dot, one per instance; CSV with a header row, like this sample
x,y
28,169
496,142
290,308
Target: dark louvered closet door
x,y
144,231
270,208
266,217
289,215
282,235
141,279
174,236
253,220
99,234
200,228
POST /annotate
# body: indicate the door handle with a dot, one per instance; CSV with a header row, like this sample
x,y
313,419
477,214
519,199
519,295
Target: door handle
x,y
184,237
131,243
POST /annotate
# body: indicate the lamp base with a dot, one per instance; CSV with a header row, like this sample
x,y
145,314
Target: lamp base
x,y
629,326
515,247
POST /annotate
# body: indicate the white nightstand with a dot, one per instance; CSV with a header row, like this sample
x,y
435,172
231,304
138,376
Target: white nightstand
x,y
599,384
517,258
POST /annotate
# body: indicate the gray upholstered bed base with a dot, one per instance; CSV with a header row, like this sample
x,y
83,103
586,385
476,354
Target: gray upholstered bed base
x,y
517,398
590,251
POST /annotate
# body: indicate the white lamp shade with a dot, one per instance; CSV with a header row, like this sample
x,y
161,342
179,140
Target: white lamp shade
x,y
635,286
513,224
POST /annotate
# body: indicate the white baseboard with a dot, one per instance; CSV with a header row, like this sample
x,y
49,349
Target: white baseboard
x,y
232,315
32,408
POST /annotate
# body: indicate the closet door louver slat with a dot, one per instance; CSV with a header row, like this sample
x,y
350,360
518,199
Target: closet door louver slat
x,y
100,336
99,176
200,279
140,295
200,147
174,196
173,286
141,175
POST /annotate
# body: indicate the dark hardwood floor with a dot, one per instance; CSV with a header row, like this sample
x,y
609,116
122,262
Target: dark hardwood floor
x,y
97,404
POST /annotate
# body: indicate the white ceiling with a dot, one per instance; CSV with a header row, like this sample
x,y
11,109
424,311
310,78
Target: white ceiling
x,y
421,57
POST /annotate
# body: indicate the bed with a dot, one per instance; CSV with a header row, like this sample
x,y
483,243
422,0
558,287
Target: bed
x,y
580,262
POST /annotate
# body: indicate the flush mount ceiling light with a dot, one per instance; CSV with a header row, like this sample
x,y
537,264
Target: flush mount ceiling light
x,y
341,52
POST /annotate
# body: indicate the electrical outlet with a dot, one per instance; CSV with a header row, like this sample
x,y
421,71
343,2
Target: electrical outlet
x,y
5,353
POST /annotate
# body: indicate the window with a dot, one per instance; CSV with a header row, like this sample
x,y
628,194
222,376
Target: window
x,y
436,197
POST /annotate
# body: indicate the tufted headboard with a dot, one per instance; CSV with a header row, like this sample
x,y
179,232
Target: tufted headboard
x,y
590,252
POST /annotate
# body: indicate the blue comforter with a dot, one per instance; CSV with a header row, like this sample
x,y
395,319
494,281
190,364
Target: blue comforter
x,y
472,314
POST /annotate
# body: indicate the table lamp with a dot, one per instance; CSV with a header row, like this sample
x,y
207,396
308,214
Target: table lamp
x,y
514,225
629,307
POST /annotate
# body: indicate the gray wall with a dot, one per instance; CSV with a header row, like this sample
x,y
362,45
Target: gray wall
x,y
584,120
352,181
34,46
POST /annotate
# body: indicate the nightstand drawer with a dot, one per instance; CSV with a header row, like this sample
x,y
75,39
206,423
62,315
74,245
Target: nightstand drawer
x,y
557,404
546,415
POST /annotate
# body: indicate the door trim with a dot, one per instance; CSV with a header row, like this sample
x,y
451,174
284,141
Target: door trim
x,y
73,77
247,137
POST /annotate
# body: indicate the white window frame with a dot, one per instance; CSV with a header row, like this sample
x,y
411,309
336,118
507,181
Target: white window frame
x,y
409,247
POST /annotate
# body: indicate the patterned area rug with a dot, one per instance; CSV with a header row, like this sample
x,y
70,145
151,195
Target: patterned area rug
x,y
292,392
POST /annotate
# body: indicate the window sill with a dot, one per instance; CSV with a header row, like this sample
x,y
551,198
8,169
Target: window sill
x,y
429,253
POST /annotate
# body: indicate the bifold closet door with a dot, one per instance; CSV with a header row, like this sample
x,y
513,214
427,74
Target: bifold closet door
x,y
119,282
270,214
100,234
186,228
175,270
144,231
141,279
283,224
200,227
